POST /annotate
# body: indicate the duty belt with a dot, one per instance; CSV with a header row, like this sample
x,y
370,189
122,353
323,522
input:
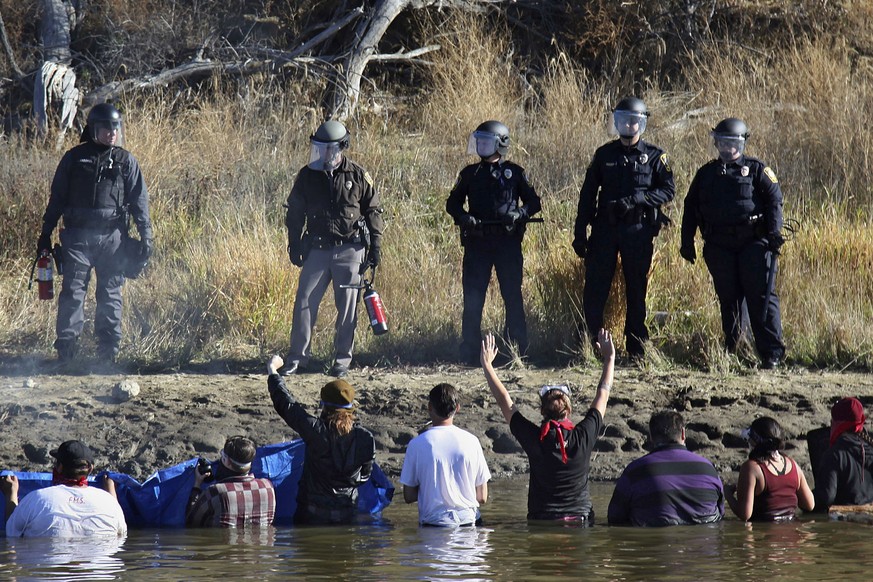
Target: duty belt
x,y
329,241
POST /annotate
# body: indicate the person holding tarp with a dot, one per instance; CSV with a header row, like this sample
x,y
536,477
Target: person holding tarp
x,y
236,497
339,452
70,507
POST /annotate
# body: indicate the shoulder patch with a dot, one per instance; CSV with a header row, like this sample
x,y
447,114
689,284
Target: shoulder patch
x,y
771,174
368,178
666,162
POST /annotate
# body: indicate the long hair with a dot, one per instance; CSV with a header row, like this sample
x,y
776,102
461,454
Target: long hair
x,y
768,437
555,405
340,420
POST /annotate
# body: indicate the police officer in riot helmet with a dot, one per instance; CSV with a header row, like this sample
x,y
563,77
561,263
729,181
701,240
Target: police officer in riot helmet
x,y
335,224
491,202
736,203
97,187
625,186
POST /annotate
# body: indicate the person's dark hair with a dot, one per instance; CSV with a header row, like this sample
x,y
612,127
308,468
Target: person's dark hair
x,y
340,420
444,399
768,437
76,469
240,449
555,405
666,427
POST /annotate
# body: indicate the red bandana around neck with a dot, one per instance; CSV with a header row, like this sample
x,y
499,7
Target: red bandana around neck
x,y
58,479
558,425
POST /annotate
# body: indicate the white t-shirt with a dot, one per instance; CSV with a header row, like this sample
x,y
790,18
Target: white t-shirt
x,y
446,464
64,511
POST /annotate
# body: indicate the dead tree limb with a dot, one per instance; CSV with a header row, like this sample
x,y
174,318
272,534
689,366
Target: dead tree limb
x,y
8,48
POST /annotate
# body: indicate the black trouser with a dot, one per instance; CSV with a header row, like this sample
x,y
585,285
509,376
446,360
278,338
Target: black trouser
x,y
85,249
740,273
481,255
635,244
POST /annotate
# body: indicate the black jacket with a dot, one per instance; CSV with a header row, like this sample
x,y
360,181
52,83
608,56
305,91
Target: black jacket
x,y
334,466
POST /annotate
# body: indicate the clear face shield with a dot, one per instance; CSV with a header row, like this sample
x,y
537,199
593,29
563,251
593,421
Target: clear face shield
x,y
728,147
324,155
482,144
627,124
108,133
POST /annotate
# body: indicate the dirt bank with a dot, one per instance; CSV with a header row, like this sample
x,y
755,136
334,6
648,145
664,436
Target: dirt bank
x,y
178,416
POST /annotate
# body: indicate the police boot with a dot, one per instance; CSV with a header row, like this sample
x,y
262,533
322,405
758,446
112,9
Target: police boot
x,y
67,350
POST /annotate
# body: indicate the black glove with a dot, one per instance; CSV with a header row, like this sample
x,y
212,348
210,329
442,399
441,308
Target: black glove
x,y
624,205
580,246
775,242
146,248
374,257
295,253
510,218
468,220
44,244
688,253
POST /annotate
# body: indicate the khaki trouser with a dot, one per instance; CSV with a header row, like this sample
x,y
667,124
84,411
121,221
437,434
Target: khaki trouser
x,y
342,265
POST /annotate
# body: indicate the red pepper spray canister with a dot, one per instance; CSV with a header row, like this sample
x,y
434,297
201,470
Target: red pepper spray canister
x,y
45,277
375,310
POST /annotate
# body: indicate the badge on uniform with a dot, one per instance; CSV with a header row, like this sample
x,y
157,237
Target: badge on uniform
x,y
348,184
744,171
507,173
771,174
368,178
644,158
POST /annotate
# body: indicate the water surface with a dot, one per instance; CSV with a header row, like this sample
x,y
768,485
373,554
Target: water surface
x,y
505,548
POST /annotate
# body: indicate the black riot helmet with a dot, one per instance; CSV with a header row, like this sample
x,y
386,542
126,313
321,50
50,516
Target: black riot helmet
x,y
332,132
629,117
489,138
104,116
632,104
328,142
729,138
731,127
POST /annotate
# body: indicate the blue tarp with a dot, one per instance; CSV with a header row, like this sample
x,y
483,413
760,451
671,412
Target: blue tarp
x,y
161,500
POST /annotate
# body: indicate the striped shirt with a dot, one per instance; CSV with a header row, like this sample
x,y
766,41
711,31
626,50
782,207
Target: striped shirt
x,y
233,502
669,486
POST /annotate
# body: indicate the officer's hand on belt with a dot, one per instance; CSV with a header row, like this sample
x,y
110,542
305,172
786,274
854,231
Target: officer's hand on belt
x,y
688,253
296,255
624,205
511,218
374,257
775,242
468,220
580,246
44,244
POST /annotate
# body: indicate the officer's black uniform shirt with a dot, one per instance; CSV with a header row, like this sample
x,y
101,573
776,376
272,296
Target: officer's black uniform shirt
x,y
641,171
491,190
731,194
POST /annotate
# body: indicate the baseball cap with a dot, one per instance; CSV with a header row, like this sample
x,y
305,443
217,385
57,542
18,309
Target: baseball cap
x,y
72,453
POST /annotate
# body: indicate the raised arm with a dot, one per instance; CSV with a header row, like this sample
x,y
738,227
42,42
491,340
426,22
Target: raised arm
x,y
486,357
607,355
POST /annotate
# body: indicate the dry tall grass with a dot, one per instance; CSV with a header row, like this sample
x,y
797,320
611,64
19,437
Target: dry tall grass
x,y
219,170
